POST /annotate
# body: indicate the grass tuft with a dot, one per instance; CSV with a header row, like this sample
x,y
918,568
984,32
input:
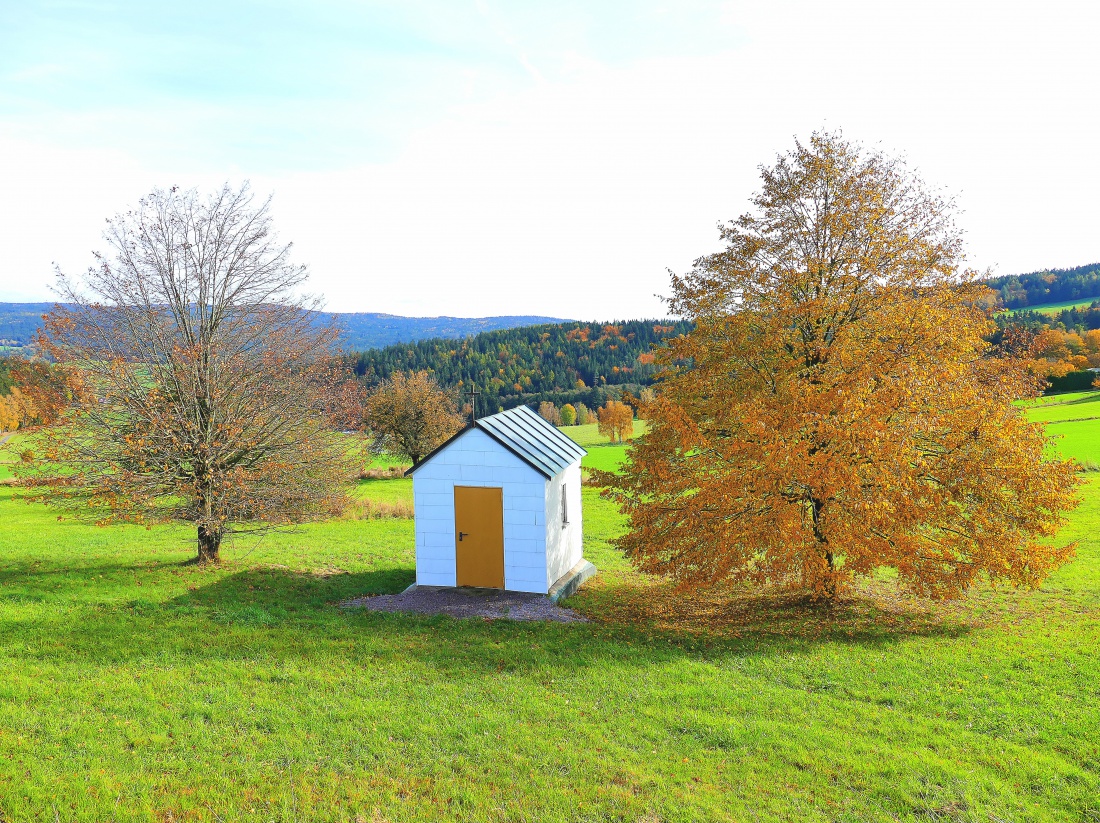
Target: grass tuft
x,y
367,509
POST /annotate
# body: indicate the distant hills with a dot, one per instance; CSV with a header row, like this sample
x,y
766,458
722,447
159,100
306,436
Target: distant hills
x,y
19,322
362,330
374,331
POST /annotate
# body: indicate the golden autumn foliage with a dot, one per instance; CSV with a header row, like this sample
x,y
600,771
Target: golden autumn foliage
x,y
42,391
616,420
410,415
48,388
841,411
206,384
1055,353
14,410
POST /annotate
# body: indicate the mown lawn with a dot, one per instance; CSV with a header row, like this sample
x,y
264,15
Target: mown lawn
x,y
9,453
133,687
1054,308
602,453
1074,422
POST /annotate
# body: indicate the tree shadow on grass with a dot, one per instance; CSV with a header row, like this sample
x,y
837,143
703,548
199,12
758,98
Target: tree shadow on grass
x,y
292,616
872,613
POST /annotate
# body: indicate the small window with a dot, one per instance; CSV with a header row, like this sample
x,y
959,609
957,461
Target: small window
x,y
564,505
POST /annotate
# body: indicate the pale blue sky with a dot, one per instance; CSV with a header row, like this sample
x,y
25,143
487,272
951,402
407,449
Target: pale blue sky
x,y
280,86
485,157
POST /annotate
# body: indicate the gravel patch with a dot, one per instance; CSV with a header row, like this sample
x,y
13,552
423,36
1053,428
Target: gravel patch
x,y
492,604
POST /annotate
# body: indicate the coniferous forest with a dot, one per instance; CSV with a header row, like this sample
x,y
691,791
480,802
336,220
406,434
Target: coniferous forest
x,y
563,363
1018,291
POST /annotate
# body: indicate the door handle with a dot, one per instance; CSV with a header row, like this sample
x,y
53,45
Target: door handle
x,y
461,535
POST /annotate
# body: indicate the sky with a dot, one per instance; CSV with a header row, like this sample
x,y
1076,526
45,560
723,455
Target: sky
x,y
556,158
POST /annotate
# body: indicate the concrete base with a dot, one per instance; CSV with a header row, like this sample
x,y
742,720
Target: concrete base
x,y
564,586
568,583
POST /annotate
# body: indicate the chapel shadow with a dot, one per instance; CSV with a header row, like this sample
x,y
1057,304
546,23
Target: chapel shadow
x,y
293,591
295,616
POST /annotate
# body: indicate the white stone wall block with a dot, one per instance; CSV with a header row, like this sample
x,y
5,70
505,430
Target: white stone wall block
x,y
431,485
438,565
518,580
436,527
446,472
426,579
526,560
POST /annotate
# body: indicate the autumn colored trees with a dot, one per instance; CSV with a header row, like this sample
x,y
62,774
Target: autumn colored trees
x,y
410,415
14,410
840,410
616,421
205,379
34,392
550,413
1056,353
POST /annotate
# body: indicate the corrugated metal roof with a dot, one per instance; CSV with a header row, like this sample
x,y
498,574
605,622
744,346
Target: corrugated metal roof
x,y
532,438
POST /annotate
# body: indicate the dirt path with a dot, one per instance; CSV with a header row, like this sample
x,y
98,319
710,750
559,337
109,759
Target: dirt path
x,y
486,603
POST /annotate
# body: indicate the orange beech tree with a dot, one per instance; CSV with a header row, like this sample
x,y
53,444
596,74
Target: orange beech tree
x,y
205,380
409,415
836,408
616,420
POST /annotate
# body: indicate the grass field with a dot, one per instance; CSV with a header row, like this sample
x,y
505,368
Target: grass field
x,y
133,687
602,454
1054,308
1074,422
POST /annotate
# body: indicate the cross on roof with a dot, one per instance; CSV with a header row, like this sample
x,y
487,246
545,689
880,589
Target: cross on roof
x,y
473,393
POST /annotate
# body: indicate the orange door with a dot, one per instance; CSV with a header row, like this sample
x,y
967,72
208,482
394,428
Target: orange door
x,y
479,537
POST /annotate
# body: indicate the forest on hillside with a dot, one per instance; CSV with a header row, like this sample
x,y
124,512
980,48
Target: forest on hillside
x,y
562,363
590,363
1049,286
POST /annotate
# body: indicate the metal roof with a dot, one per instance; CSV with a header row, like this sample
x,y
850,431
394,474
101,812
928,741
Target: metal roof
x,y
531,438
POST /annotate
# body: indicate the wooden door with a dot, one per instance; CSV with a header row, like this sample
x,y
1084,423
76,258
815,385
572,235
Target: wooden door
x,y
479,536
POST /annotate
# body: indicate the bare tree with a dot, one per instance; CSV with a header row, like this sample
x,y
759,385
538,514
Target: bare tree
x,y
206,376
410,415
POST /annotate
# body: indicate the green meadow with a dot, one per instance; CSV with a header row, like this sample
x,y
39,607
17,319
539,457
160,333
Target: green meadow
x,y
1073,421
602,454
1054,308
136,688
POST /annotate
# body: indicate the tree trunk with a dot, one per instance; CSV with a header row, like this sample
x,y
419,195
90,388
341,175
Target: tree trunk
x,y
830,581
209,543
816,507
